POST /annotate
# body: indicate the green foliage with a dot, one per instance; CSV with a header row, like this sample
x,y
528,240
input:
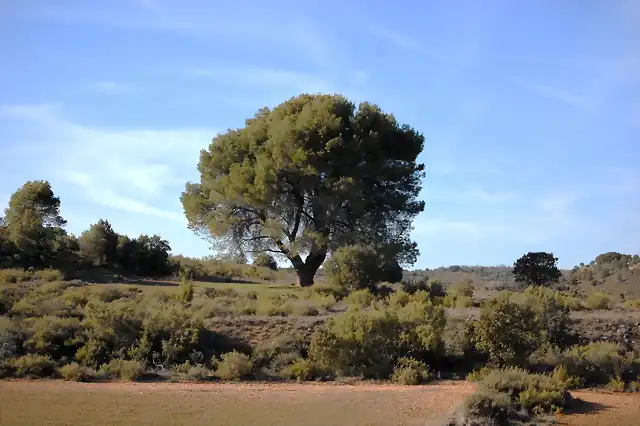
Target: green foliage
x,y
18,275
56,337
186,291
632,304
369,343
122,369
331,175
507,332
597,362
534,393
234,366
33,225
537,268
360,298
616,384
492,405
599,300
266,261
410,371
98,244
561,375
33,366
75,372
301,370
353,268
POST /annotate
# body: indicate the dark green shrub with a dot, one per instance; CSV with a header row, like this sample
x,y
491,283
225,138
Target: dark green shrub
x,y
485,404
301,370
410,371
598,362
369,343
507,332
54,336
353,268
33,366
534,393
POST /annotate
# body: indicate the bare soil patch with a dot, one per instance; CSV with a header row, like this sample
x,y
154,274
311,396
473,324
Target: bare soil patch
x,y
603,409
58,403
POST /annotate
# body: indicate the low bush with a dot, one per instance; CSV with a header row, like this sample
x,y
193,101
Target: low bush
x,y
599,301
410,371
17,275
632,304
14,275
616,384
122,369
33,366
75,372
534,393
369,343
48,275
360,298
301,370
234,366
597,362
493,406
198,373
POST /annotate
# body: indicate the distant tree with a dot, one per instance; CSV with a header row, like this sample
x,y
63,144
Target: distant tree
x,y
152,256
265,260
33,225
310,176
537,268
126,252
99,244
144,256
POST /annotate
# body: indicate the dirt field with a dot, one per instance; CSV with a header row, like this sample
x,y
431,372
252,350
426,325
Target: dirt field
x,y
57,403
603,409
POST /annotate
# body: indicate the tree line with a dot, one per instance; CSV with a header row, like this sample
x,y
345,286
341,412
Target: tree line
x,y
32,235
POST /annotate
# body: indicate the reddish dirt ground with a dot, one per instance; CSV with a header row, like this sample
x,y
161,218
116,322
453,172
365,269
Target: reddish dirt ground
x,y
58,403
603,409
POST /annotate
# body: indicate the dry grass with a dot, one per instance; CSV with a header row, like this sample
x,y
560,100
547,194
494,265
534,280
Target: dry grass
x,y
56,403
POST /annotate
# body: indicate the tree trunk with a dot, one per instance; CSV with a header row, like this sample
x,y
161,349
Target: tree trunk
x,y
307,269
305,276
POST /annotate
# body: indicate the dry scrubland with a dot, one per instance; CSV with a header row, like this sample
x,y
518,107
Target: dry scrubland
x,y
284,329
333,188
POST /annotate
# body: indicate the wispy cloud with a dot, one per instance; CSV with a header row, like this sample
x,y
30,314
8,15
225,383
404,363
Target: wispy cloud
x,y
140,171
109,87
559,95
266,78
273,26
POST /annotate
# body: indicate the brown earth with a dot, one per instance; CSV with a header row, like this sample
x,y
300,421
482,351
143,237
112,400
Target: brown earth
x,y
58,403
603,409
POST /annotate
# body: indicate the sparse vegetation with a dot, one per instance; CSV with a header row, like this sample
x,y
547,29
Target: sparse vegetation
x,y
333,191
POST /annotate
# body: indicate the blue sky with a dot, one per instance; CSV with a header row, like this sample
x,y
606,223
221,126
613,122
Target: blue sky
x,y
530,109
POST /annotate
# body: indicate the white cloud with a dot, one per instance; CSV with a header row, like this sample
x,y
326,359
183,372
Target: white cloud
x,y
141,171
559,94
